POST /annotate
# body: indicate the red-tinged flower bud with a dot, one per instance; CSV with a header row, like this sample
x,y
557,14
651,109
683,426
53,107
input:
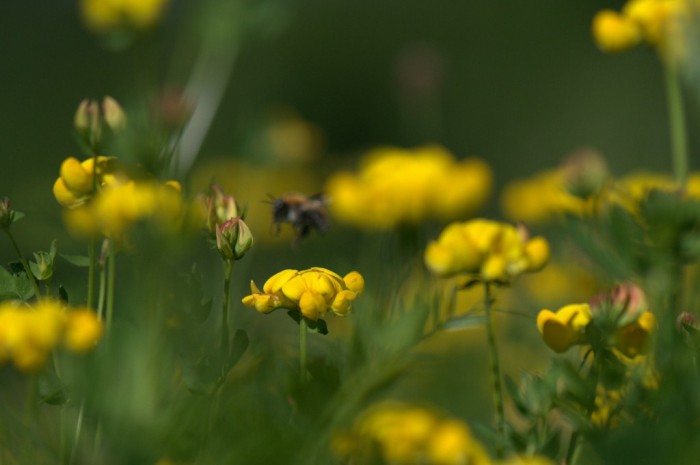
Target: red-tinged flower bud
x,y
7,214
687,323
233,238
218,208
626,303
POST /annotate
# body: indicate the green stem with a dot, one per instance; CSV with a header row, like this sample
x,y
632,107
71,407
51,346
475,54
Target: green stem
x,y
111,271
101,294
228,269
676,116
302,349
92,252
78,430
495,374
24,263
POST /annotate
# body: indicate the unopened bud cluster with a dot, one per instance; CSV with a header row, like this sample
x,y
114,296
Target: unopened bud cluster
x,y
224,222
92,117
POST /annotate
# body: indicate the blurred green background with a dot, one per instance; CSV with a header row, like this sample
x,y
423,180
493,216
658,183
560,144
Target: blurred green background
x,y
518,83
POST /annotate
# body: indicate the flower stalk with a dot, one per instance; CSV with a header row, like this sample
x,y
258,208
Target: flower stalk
x,y
676,114
228,270
495,373
24,263
302,349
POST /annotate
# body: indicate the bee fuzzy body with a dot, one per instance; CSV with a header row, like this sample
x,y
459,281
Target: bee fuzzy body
x,y
304,213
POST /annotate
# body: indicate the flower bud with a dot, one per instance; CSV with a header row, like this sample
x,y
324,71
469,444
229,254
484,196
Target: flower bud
x,y
42,268
87,122
233,239
585,173
624,304
7,214
687,323
113,114
219,208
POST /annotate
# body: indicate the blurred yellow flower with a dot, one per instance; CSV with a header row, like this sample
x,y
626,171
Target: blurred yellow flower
x,y
119,206
490,250
564,328
313,292
541,197
29,334
614,32
526,460
659,23
113,15
83,330
633,338
405,434
397,186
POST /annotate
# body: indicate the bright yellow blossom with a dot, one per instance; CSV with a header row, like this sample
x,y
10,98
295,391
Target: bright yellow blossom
x,y
74,185
490,250
83,330
396,186
313,292
112,15
564,328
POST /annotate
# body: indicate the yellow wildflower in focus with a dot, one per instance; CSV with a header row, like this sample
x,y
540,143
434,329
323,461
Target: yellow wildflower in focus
x,y
313,292
396,186
564,328
541,197
404,434
490,250
114,15
29,333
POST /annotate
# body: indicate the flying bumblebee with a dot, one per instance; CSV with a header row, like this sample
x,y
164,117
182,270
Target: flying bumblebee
x,y
304,213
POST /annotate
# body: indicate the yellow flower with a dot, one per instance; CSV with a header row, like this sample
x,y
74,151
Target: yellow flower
x,y
614,32
313,292
29,333
83,330
122,204
490,250
111,15
75,182
405,434
564,328
538,199
396,186
633,339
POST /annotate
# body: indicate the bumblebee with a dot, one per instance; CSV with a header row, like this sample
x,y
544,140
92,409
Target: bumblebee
x,y
304,213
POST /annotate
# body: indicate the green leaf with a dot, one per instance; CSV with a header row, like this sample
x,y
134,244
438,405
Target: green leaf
x,y
17,216
23,286
52,390
7,285
318,326
63,294
77,260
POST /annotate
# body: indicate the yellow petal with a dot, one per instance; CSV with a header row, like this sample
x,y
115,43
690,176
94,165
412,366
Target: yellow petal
x,y
354,281
312,305
75,177
278,280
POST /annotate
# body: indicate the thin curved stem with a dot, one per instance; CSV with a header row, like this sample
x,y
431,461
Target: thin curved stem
x,y
228,269
302,349
24,263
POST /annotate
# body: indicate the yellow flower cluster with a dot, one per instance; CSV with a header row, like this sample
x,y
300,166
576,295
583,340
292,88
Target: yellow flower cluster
x,y
397,186
546,195
490,250
537,199
74,186
313,292
629,336
29,334
117,203
409,435
112,15
656,22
